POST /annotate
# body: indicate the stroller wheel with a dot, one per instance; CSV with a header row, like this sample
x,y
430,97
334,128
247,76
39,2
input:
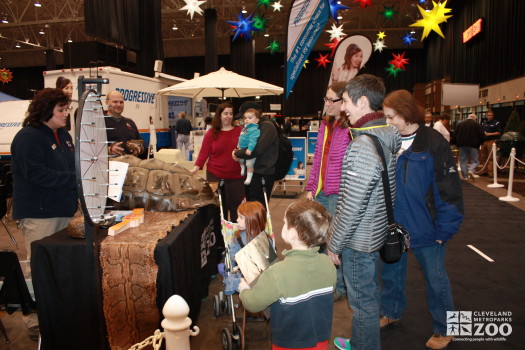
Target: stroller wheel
x,y
228,305
216,306
222,301
237,336
226,339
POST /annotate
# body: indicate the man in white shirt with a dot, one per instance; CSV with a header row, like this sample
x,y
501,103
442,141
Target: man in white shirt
x,y
442,125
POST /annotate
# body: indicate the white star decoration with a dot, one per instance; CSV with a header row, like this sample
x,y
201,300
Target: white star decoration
x,y
379,45
336,32
193,6
277,6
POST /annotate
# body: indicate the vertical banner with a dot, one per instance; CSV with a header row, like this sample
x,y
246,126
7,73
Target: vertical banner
x,y
312,140
297,169
306,22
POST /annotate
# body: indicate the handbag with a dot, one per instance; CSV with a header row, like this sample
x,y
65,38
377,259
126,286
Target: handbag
x,y
397,237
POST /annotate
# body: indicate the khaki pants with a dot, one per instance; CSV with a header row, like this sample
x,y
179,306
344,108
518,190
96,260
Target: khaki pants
x,y
35,229
486,151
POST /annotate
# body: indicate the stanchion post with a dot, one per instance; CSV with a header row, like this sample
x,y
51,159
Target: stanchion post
x,y
495,184
508,197
176,324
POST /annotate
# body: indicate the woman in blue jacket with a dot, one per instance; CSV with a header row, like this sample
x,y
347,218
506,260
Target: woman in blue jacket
x,y
43,165
429,204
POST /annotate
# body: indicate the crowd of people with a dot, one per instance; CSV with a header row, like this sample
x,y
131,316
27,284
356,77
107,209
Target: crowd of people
x,y
335,233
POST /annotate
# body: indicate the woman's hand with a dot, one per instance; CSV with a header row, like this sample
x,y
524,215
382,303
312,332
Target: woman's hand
x,y
309,195
233,155
194,170
116,149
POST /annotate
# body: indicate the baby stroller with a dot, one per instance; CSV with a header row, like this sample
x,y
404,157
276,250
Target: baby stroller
x,y
223,302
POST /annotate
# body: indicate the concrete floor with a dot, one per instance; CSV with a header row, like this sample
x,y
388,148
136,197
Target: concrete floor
x,y
256,332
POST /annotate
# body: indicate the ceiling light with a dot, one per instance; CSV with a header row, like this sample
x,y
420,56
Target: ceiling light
x,y
69,40
17,45
244,9
339,17
266,34
41,31
37,4
4,20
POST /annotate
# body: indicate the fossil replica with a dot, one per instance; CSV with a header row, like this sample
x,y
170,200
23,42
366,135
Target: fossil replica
x,y
158,186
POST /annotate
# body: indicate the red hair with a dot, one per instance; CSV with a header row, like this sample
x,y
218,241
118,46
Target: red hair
x,y
255,218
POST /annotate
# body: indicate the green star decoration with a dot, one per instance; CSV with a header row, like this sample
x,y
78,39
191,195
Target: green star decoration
x,y
392,70
260,22
273,46
388,12
264,3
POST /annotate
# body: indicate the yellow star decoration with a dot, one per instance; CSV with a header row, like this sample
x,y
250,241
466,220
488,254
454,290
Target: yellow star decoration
x,y
381,35
305,63
432,19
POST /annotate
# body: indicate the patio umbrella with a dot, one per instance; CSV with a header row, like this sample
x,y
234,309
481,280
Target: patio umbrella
x,y
222,83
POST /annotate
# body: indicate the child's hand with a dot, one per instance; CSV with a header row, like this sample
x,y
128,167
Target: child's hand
x,y
248,152
243,285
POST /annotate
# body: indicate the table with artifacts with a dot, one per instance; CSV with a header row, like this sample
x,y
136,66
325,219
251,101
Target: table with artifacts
x,y
118,302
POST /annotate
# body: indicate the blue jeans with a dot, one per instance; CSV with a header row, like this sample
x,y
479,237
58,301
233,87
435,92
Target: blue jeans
x,y
360,272
464,154
393,295
330,203
437,286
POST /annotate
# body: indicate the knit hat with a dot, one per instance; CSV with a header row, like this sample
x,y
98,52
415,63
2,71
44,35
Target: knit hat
x,y
246,106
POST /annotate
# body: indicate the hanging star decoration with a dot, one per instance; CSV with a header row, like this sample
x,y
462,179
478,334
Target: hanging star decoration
x,y
392,70
381,35
364,3
332,46
277,6
388,12
273,46
243,26
399,61
193,6
336,6
305,63
264,3
5,75
322,60
336,32
379,45
422,1
260,23
408,38
431,20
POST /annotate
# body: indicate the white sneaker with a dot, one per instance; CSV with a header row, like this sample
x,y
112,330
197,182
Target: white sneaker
x,y
472,175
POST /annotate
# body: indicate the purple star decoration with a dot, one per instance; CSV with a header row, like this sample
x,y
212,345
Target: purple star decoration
x,y
243,26
407,39
335,7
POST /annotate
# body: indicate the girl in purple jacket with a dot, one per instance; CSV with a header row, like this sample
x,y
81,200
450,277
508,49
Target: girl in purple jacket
x,y
325,175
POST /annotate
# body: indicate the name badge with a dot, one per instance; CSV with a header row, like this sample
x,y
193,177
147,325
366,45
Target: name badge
x,y
54,146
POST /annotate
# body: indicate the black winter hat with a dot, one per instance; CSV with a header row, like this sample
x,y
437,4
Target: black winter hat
x,y
246,106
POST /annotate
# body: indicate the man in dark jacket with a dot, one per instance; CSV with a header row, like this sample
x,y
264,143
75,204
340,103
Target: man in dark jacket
x,y
469,136
266,151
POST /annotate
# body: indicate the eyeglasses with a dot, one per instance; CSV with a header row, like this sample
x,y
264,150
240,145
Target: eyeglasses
x,y
329,100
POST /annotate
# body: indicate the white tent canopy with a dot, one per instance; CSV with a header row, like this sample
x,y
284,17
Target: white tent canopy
x,y
222,83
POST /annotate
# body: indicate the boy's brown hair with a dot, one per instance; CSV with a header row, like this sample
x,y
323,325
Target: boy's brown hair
x,y
311,221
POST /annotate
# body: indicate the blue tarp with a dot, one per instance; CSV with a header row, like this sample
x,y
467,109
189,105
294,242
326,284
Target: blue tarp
x,y
6,97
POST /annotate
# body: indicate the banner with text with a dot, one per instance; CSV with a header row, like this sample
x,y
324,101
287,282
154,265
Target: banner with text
x,y
306,22
297,169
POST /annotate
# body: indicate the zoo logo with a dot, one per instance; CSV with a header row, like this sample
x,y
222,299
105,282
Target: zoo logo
x,y
479,323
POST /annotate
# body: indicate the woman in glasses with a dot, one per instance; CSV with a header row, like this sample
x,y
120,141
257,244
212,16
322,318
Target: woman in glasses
x,y
325,174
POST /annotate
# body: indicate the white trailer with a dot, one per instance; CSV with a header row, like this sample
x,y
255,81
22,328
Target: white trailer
x,y
11,118
141,100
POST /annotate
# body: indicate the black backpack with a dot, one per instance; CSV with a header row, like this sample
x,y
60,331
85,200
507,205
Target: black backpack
x,y
285,157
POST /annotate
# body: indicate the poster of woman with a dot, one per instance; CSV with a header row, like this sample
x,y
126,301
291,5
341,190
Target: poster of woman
x,y
351,55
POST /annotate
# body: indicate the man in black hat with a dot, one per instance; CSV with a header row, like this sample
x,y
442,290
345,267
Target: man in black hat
x,y
266,151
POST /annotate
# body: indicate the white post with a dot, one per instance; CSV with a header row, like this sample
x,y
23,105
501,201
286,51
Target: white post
x,y
495,184
508,197
176,324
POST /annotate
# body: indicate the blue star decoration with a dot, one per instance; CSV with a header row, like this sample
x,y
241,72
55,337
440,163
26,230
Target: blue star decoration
x,y
422,1
243,26
408,38
336,6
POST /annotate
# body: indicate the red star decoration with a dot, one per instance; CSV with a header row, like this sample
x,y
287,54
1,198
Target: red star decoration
x,y
364,3
399,61
322,60
332,46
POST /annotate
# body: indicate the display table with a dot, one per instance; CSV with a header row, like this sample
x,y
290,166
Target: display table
x,y
67,288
